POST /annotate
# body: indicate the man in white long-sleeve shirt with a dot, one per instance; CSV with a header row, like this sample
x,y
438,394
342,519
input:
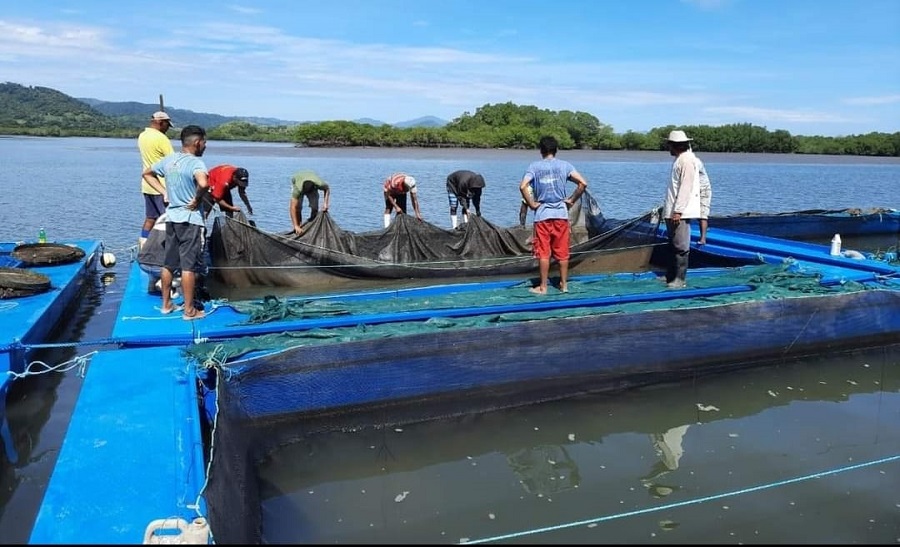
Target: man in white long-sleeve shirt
x,y
682,204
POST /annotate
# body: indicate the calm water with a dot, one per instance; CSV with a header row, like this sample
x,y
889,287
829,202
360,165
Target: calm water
x,y
511,472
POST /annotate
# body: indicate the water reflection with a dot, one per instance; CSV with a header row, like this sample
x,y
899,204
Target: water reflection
x,y
545,465
669,449
544,470
32,411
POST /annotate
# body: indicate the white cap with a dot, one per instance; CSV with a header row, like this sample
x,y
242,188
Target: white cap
x,y
410,181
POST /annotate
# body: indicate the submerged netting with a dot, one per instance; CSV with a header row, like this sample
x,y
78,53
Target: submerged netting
x,y
244,256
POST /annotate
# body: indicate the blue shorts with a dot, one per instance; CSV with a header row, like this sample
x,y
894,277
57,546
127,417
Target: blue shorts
x,y
154,206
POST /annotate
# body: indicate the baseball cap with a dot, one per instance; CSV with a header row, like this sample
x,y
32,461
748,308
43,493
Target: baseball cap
x,y
242,176
160,116
410,181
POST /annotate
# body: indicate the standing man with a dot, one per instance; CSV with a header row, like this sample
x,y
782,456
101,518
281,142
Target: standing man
x,y
187,183
307,183
222,179
682,204
547,180
396,187
154,145
463,186
705,201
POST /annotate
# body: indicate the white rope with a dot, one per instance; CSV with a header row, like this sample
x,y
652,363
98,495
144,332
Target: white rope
x,y
212,447
79,362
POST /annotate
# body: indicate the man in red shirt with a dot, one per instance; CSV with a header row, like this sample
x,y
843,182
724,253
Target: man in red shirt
x,y
222,179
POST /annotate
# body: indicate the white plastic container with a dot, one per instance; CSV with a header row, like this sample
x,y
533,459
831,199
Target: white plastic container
x,y
177,531
836,245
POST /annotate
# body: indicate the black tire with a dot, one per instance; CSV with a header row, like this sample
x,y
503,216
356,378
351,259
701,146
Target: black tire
x,y
47,254
21,282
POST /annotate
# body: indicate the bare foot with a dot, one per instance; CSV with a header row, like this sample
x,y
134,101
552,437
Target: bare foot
x,y
537,290
563,288
701,242
193,314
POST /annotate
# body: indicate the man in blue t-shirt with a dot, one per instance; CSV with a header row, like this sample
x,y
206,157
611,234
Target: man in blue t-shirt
x,y
187,181
544,190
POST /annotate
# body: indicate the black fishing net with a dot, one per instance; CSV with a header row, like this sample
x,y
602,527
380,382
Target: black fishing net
x,y
325,257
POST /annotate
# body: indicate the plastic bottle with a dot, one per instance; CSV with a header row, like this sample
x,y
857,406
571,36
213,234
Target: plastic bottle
x,y
42,236
836,245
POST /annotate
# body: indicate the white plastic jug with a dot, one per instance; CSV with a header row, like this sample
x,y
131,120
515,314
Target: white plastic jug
x,y
836,245
177,531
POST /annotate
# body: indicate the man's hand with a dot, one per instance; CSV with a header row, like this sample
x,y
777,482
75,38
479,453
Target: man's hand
x,y
298,229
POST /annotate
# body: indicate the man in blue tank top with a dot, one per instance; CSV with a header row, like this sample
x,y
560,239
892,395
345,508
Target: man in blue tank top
x,y
543,188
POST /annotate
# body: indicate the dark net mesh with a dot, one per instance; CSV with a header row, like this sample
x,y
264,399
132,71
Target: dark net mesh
x,y
17,282
47,254
326,257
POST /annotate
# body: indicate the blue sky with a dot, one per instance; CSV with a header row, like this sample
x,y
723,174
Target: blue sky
x,y
812,67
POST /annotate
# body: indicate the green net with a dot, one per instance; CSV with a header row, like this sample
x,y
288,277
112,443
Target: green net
x,y
401,315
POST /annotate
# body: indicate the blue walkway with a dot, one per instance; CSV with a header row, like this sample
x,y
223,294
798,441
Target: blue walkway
x,y
132,454
30,319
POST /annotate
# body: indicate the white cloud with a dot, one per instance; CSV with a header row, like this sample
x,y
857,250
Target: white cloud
x,y
883,99
55,36
244,10
776,115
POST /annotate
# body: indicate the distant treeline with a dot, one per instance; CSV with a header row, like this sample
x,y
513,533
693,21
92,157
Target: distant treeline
x,y
511,126
40,111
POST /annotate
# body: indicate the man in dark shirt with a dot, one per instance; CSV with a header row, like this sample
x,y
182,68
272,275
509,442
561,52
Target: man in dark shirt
x,y
463,186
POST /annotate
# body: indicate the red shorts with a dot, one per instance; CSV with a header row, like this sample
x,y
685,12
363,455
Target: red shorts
x,y
551,236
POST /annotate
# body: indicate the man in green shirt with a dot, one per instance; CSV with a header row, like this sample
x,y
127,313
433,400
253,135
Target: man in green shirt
x,y
308,184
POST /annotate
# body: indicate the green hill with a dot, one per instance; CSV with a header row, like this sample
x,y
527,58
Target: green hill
x,y
35,110
137,114
32,108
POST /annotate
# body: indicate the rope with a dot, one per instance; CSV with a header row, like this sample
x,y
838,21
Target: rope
x,y
5,306
212,447
682,503
79,362
131,250
52,345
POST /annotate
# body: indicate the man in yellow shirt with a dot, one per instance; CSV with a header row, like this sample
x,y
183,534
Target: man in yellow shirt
x,y
154,145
